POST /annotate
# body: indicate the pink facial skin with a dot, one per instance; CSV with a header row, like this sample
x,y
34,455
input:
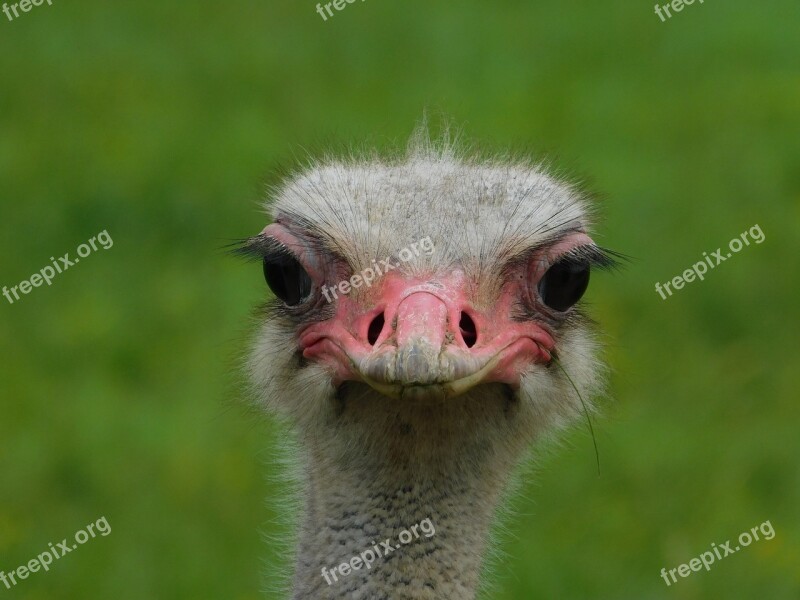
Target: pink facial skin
x,y
421,350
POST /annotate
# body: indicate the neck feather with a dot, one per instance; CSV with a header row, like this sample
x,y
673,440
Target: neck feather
x,y
424,480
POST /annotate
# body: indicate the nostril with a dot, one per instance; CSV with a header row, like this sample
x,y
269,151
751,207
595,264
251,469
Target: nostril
x,y
375,329
468,330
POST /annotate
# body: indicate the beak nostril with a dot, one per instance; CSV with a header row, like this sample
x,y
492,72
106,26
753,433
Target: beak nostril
x,y
375,329
469,332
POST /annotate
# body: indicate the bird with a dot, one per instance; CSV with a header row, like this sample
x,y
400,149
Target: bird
x,y
424,329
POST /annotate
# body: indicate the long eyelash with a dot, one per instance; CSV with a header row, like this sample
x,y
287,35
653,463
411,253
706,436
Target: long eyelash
x,y
259,248
263,247
589,254
596,256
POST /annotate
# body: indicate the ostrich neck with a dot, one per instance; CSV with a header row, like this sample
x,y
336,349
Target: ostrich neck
x,y
424,477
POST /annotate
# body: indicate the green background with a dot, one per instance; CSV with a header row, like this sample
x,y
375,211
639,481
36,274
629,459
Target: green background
x,y
119,389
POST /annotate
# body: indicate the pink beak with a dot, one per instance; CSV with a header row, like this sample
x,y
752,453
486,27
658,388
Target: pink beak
x,y
424,339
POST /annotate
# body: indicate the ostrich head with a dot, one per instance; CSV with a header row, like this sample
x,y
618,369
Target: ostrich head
x,y
421,305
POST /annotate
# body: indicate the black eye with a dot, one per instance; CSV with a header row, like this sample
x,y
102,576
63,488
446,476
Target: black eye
x,y
287,279
564,284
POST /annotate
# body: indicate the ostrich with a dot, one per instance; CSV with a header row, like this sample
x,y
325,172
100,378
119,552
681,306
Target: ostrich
x,y
415,396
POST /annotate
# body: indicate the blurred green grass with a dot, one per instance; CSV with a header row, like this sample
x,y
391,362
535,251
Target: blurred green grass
x,y
160,123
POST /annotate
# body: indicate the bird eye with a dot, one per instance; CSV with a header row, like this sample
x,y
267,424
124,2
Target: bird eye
x,y
287,279
564,284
